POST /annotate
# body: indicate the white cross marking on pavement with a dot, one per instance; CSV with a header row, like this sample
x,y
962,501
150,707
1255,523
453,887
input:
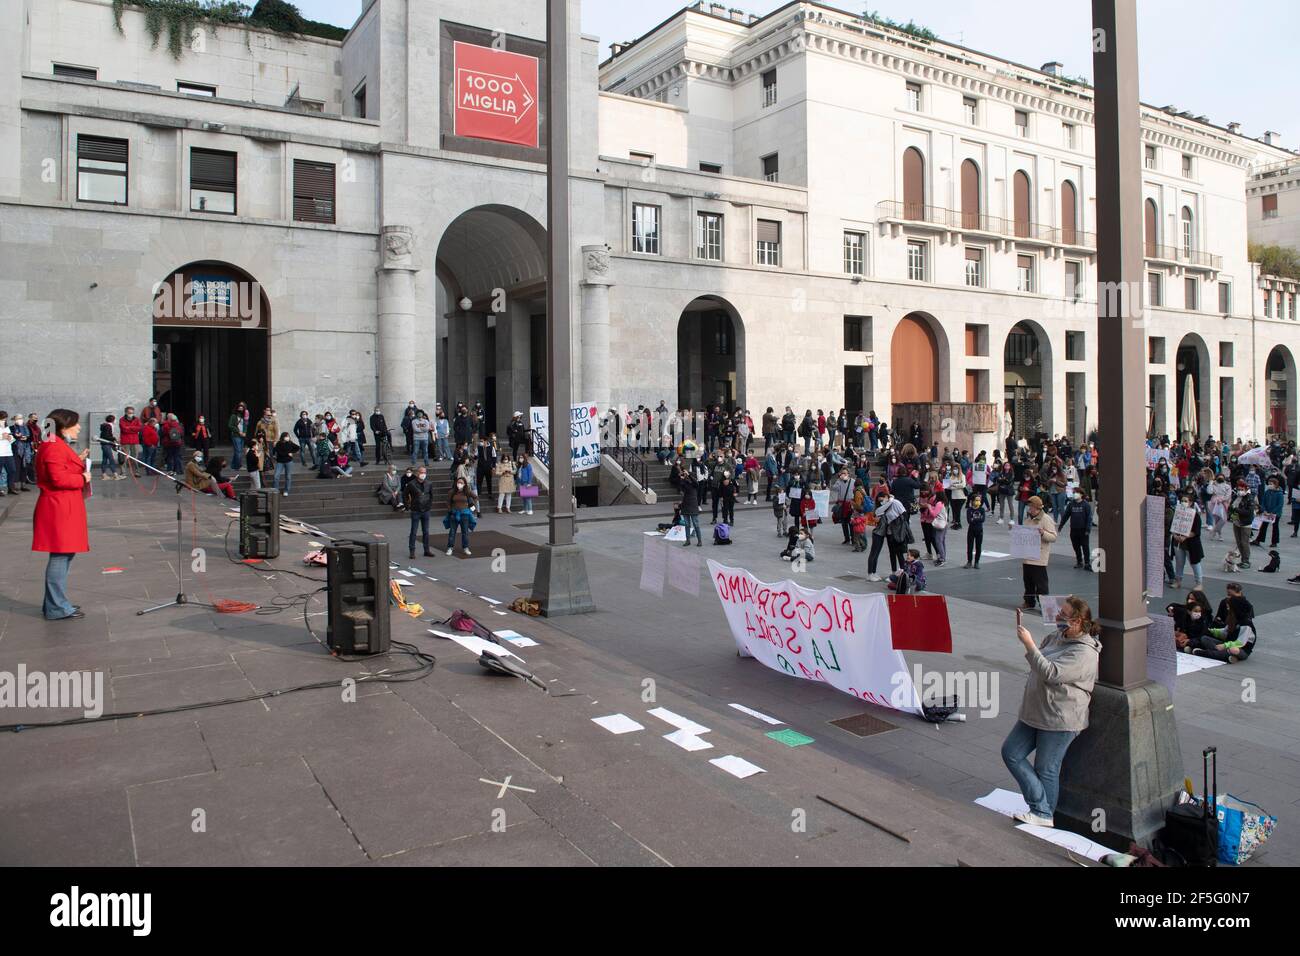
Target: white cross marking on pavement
x,y
506,785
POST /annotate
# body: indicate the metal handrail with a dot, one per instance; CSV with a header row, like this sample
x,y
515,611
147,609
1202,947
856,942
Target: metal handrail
x,y
631,462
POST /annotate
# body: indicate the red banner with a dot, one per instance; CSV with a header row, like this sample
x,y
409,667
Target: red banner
x,y
919,622
496,95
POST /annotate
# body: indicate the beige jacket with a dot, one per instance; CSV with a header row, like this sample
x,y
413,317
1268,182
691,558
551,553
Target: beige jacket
x,y
1047,523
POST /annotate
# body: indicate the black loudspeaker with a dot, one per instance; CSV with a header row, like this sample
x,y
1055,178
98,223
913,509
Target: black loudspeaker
x,y
357,577
259,524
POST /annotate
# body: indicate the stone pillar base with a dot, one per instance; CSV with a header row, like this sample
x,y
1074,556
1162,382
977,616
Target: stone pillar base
x,y
560,582
1127,763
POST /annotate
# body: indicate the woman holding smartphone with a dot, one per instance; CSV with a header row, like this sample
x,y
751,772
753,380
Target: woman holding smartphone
x,y
1062,672
59,522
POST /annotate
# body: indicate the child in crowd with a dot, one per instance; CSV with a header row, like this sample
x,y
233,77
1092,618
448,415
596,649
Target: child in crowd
x,y
915,572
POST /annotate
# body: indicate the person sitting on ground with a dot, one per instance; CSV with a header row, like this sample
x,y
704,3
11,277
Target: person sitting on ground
x,y
800,543
1234,641
914,571
196,479
390,489
216,468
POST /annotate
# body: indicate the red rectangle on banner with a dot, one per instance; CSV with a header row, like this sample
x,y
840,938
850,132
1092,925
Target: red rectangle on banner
x,y
496,95
920,623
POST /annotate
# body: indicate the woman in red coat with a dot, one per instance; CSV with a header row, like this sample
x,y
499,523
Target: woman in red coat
x,y
59,524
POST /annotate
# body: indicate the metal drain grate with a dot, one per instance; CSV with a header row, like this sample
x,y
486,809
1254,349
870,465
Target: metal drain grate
x,y
526,586
863,725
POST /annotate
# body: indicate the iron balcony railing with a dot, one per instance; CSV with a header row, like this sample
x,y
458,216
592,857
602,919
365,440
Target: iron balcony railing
x,y
892,209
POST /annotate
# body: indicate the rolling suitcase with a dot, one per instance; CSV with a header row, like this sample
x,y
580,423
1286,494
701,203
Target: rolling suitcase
x,y
1191,833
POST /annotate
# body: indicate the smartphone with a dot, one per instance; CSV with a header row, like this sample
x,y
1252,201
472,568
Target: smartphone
x,y
1019,618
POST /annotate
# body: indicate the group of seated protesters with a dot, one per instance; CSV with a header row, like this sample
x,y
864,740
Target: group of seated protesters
x,y
1226,634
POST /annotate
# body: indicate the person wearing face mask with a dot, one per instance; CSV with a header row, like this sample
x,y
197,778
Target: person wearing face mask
x,y
202,437
9,461
361,437
1054,710
390,490
305,432
128,429
1034,570
238,429
408,419
196,479
59,522
285,449
1080,512
417,496
976,514
348,437
383,439
441,433
889,513
1190,549
420,428
462,502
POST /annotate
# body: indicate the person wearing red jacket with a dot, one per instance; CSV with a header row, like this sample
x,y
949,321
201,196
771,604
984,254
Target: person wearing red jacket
x,y
149,442
128,428
202,437
59,522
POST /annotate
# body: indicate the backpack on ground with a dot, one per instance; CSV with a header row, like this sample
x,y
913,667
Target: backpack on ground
x,y
722,533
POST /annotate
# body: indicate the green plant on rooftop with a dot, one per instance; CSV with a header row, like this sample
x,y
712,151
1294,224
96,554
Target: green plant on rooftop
x,y
180,18
911,27
1275,260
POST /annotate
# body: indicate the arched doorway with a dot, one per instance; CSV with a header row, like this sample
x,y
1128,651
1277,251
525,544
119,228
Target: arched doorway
x,y
1280,374
914,361
211,322
913,184
491,302
710,355
1027,382
970,195
1193,383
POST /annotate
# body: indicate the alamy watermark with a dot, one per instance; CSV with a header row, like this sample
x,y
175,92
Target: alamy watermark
x,y
73,690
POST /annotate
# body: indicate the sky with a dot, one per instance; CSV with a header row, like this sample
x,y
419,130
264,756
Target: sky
x,y
1229,68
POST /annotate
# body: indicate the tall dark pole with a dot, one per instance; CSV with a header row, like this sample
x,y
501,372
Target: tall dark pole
x,y
560,580
1123,772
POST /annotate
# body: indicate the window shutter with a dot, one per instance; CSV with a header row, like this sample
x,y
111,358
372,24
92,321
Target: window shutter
x,y
210,169
1270,202
769,231
313,191
101,149
974,255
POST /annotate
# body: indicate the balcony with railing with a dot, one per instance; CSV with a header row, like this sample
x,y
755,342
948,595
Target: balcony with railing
x,y
1182,256
891,210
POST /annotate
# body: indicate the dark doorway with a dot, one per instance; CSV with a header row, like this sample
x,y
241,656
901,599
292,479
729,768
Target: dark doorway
x,y
709,342
208,371
537,365
854,397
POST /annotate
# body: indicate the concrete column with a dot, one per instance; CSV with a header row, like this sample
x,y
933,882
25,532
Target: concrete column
x,y
396,293
595,325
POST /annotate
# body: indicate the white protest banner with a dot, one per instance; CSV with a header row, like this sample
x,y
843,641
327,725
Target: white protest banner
x,y
827,635
1155,456
584,431
654,563
1256,456
821,504
1026,542
1184,516
684,571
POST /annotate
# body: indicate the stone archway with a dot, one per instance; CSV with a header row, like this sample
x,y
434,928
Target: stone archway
x,y
914,361
1280,397
710,354
1192,364
1027,381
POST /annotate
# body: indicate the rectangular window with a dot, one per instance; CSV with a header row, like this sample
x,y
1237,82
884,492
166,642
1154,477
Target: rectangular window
x,y
971,106
1268,304
975,267
855,259
769,242
1291,309
914,97
1067,135
359,102
1156,350
101,170
1073,280
1187,166
195,89
1025,273
708,236
769,88
1022,124
853,333
974,333
645,229
1149,157
1225,354
1074,346
710,167
212,181
1154,289
916,261
1225,298
1269,205
1191,294
771,168
313,191
76,72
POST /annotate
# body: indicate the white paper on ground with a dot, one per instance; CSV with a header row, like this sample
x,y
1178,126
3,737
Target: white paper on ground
x,y
406,574
678,721
1005,802
472,642
687,741
515,638
653,534
994,554
488,599
618,723
753,713
494,611
736,766
1071,841
1189,663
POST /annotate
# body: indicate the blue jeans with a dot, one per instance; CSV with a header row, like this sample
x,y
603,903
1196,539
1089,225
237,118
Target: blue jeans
x,y
354,452
461,522
304,450
692,523
1182,562
174,460
1059,502
420,449
285,469
107,461
237,459
57,604
149,455
1040,784
443,451
420,519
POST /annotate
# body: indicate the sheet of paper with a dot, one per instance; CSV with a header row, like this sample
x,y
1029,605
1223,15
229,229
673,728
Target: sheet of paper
x,y
494,610
1162,653
1051,604
618,723
995,554
753,713
789,737
684,571
488,599
678,721
687,741
1076,844
405,574
1189,663
472,642
736,766
1184,515
653,534
1025,542
654,565
1005,802
515,638
1153,545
